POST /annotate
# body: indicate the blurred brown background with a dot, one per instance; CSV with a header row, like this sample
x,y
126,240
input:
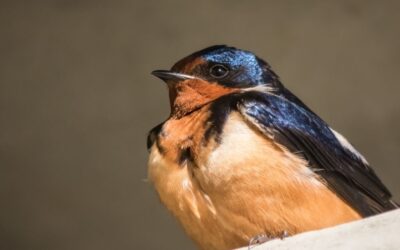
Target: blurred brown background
x,y
77,99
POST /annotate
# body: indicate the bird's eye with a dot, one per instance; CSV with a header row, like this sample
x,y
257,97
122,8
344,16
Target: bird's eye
x,y
219,71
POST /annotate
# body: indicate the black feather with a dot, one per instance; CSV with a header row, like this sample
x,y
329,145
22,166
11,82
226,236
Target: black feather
x,y
152,136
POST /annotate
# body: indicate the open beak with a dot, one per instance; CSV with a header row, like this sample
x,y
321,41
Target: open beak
x,y
167,75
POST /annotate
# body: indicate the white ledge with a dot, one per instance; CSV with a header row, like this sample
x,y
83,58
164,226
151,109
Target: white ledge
x,y
377,232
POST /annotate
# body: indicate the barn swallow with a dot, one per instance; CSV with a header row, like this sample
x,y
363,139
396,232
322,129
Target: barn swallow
x,y
241,156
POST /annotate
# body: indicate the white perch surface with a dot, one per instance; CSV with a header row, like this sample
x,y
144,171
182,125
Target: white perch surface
x,y
377,232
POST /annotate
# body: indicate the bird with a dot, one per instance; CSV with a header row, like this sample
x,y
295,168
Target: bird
x,y
240,156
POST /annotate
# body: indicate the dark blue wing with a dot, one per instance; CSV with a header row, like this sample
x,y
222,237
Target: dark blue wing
x,y
303,132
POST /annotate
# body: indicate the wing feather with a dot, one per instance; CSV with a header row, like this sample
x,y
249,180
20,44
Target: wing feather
x,y
303,132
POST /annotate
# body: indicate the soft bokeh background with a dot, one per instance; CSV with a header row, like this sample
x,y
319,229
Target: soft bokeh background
x,y
77,99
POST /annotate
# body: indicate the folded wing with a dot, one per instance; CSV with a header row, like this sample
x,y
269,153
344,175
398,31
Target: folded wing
x,y
304,133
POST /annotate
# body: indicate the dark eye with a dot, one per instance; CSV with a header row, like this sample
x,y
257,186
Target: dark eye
x,y
219,71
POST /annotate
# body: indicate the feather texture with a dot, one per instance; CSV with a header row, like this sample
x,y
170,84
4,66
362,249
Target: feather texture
x,y
303,132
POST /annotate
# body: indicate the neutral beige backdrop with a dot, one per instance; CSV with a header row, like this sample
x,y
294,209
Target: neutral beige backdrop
x,y
77,99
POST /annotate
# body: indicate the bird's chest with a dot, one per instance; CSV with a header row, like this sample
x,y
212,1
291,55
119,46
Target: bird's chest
x,y
225,191
213,185
174,160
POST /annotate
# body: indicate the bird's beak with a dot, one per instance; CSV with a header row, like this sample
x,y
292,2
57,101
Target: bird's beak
x,y
167,75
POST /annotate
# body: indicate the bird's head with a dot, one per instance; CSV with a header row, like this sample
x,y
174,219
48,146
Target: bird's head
x,y
211,73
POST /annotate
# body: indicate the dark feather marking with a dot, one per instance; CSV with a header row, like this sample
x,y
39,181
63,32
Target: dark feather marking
x,y
300,130
153,137
185,155
219,112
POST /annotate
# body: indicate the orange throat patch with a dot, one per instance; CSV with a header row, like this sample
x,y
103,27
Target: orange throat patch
x,y
189,95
